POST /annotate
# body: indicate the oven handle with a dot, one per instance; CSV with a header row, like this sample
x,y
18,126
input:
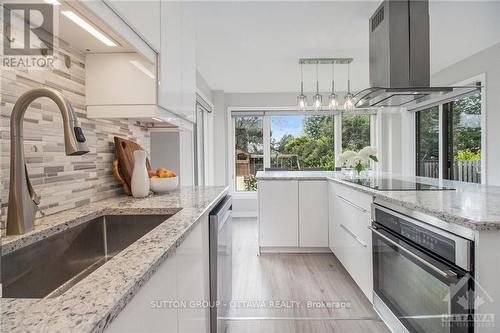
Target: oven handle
x,y
446,274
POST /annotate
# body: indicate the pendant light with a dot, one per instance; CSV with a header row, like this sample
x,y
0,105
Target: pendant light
x,y
332,99
302,99
317,99
349,103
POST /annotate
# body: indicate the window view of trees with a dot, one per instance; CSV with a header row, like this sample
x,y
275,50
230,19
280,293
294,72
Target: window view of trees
x,y
355,132
300,142
297,142
461,137
249,151
464,139
427,135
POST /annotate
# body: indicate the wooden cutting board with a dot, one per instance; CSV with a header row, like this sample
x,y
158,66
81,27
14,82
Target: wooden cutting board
x,y
123,165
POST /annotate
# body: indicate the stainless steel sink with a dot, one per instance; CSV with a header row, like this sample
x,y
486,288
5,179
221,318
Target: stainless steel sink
x,y
51,266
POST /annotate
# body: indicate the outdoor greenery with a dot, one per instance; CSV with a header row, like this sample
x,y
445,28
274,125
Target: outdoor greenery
x,y
464,134
355,132
467,128
468,155
313,149
428,135
248,136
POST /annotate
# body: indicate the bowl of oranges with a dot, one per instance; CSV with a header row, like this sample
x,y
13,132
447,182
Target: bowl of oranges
x,y
163,180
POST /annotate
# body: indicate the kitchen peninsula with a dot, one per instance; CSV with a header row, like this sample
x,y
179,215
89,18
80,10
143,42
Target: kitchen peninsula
x,y
321,211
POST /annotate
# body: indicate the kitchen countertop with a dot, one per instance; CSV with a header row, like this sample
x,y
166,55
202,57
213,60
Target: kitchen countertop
x,y
92,303
473,206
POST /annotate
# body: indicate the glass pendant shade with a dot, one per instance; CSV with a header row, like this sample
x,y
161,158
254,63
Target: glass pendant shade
x,y
333,102
349,103
302,102
317,102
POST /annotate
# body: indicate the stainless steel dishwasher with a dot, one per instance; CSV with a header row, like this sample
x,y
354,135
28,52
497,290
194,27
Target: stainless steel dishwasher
x,y
220,243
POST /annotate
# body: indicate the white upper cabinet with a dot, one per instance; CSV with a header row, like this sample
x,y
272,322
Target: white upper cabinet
x,y
188,56
177,63
169,70
142,16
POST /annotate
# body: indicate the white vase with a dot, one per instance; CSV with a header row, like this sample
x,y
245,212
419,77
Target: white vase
x,y
140,180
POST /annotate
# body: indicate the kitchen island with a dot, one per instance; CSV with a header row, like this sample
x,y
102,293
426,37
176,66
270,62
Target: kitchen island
x,y
92,304
321,211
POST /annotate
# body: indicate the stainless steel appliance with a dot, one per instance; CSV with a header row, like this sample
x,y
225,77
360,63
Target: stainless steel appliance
x,y
392,184
400,59
422,275
220,233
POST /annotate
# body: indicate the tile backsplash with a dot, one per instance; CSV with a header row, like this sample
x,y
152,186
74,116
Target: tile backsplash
x,y
63,182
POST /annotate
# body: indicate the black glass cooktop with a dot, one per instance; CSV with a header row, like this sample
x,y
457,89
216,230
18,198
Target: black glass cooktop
x,y
389,184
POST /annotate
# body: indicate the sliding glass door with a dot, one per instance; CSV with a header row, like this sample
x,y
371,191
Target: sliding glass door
x,y
455,127
427,142
462,140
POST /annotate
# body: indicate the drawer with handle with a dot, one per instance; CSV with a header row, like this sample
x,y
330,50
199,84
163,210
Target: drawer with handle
x,y
357,199
353,219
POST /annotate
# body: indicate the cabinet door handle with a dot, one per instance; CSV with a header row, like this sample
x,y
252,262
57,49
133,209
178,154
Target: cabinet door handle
x,y
352,204
353,235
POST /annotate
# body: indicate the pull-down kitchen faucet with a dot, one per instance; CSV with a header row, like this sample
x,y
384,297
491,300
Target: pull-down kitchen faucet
x,y
23,201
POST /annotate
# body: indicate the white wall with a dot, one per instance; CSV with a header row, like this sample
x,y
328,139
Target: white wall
x,y
220,138
485,62
174,151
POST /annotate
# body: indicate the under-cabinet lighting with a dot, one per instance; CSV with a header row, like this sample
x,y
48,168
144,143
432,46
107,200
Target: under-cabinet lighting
x,y
157,119
53,2
142,68
90,29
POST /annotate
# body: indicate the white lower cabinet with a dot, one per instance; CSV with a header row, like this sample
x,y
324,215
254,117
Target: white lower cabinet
x,y
293,215
278,213
181,279
313,213
350,238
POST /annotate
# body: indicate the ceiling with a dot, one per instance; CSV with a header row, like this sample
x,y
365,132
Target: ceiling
x,y
254,46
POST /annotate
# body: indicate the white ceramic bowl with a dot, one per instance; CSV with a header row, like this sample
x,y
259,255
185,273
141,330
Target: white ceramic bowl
x,y
160,185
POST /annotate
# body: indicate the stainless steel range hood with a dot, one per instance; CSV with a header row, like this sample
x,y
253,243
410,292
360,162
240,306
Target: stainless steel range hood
x,y
400,59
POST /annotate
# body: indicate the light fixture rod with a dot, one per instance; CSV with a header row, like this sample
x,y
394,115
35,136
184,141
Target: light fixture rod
x,y
348,79
325,61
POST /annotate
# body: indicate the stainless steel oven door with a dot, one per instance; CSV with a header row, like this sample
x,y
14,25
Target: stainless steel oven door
x,y
421,290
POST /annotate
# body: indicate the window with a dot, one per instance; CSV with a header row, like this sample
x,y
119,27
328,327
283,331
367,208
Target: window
x,y
248,150
302,142
427,139
355,132
290,140
459,135
462,148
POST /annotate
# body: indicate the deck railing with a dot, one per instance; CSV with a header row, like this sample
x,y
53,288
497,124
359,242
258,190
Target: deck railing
x,y
465,171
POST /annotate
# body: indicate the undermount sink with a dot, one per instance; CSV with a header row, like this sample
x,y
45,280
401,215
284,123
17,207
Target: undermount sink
x,y
51,266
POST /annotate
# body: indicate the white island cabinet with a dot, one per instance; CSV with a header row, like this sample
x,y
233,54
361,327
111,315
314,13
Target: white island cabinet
x,y
293,215
350,239
170,301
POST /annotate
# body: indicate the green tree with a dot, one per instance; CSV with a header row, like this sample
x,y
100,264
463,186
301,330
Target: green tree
x,y
355,132
313,149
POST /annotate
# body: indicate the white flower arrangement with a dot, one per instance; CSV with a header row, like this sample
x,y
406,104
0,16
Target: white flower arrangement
x,y
357,160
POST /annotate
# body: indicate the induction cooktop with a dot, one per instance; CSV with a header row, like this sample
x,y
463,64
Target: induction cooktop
x,y
389,184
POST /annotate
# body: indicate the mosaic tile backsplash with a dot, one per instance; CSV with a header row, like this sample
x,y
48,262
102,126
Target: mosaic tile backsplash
x,y
62,181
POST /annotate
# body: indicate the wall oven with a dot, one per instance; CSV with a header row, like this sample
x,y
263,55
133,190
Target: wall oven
x,y
422,275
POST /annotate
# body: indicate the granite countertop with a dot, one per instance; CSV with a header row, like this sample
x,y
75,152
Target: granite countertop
x,y
92,303
473,206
